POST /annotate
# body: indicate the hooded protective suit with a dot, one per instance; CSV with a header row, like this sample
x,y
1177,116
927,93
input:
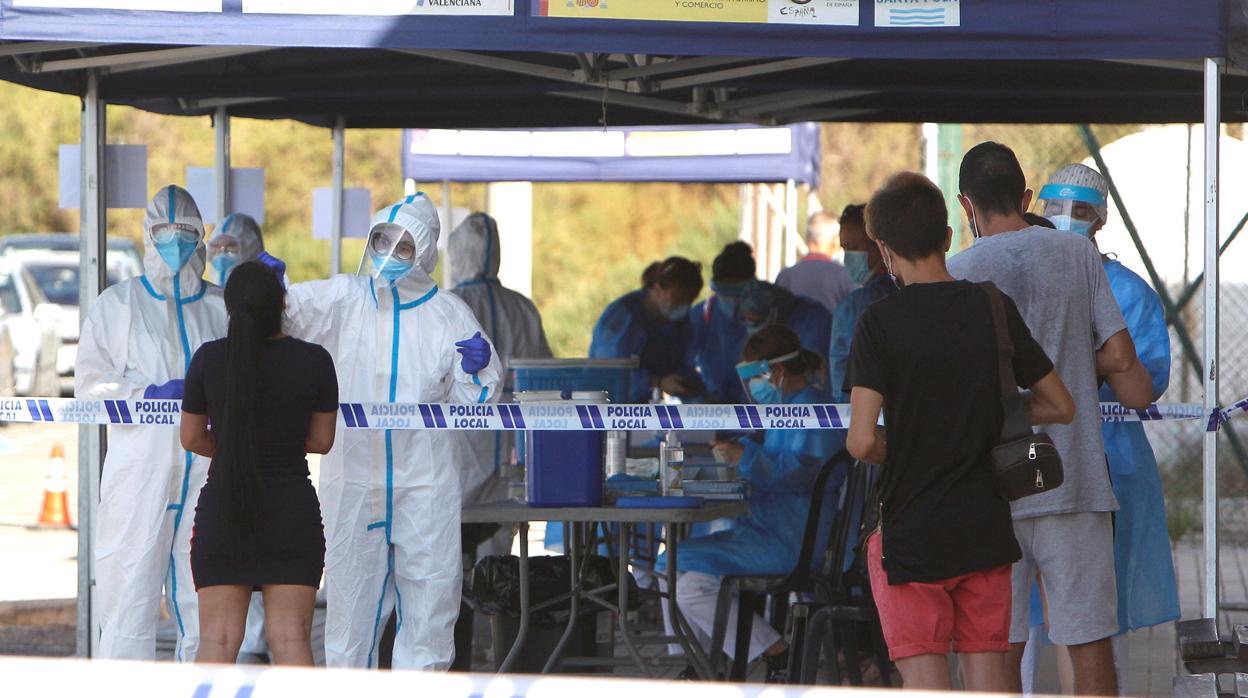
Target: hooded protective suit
x,y
805,316
515,328
245,232
390,499
143,332
718,338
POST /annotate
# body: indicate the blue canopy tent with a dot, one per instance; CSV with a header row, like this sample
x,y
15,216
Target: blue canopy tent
x,y
519,64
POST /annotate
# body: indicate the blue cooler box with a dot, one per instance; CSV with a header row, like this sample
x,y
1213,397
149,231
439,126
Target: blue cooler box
x,y
563,468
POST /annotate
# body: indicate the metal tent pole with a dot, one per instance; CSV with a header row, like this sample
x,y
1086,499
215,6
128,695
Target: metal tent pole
x,y
221,128
91,439
337,194
1213,111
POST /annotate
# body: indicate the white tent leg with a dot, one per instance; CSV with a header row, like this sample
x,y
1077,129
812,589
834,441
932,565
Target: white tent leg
x,y
1213,70
792,241
92,249
221,128
335,231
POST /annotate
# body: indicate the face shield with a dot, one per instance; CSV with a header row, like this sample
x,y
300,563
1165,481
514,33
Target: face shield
x,y
390,253
224,252
756,378
403,241
1071,207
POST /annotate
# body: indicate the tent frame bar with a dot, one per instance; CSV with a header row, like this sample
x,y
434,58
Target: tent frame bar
x,y
91,439
25,48
142,60
1213,112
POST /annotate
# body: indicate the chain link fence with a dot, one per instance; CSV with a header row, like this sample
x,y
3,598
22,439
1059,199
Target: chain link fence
x,y
1159,172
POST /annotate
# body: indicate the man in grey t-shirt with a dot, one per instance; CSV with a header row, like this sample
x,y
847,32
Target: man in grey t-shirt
x,y
1059,285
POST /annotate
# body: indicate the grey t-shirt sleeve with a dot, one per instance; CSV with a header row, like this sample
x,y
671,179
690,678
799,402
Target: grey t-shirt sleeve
x,y
1107,319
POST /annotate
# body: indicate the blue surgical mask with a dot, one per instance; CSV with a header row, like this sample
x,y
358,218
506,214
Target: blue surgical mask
x,y
764,392
176,251
676,314
224,262
392,268
727,306
1072,224
857,266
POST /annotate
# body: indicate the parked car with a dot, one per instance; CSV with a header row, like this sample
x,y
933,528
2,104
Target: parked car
x,y
121,250
29,321
56,274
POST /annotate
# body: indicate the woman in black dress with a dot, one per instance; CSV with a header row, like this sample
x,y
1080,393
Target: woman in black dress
x,y
271,400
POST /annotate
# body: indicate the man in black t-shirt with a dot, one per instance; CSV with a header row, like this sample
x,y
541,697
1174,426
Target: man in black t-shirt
x,y
927,357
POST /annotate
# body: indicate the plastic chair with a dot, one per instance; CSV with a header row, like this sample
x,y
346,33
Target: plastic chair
x,y
750,590
845,605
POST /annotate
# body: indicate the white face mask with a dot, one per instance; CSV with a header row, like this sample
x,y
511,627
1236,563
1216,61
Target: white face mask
x,y
888,264
974,222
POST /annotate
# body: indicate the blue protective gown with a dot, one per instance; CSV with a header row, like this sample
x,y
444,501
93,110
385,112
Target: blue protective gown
x,y
844,320
717,343
1147,591
625,329
813,324
781,473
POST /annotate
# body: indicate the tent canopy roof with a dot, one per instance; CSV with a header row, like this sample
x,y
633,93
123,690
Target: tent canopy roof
x,y
1026,61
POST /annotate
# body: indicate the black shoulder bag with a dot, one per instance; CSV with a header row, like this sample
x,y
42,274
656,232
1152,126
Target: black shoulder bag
x,y
1025,463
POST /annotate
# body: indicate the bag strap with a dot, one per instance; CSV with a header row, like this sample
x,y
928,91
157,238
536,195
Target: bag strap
x,y
1017,421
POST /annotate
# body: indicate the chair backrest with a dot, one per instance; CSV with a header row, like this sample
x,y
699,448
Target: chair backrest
x,y
818,498
856,512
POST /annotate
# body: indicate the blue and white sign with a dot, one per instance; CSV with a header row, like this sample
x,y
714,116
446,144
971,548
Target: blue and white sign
x,y
918,13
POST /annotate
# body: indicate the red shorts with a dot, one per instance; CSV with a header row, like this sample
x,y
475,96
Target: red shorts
x,y
970,613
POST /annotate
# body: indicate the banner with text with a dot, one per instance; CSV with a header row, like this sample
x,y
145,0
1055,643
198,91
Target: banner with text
x,y
809,12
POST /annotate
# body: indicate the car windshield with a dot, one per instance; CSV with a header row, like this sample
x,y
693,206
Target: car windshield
x,y
59,282
9,299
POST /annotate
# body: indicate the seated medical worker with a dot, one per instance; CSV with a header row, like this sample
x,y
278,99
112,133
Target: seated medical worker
x,y
781,472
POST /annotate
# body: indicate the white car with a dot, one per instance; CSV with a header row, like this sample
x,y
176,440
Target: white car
x,y
56,276
30,322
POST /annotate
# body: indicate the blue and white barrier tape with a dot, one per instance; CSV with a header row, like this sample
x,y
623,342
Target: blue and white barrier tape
x,y
551,416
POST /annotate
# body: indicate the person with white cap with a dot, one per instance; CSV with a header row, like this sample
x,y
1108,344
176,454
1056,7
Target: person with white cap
x,y
136,343
391,499
1075,199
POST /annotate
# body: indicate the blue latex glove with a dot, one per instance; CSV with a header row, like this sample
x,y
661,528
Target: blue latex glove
x,y
476,353
165,391
277,265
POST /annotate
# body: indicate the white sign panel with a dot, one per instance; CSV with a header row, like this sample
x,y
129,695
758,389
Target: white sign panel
x,y
828,12
357,212
125,176
918,13
385,8
246,191
150,5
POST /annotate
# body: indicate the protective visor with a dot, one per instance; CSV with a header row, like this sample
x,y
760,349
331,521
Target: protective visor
x,y
390,248
728,290
165,232
1072,207
224,244
749,370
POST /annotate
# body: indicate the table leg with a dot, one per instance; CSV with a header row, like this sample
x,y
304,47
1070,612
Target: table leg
x,y
573,544
622,587
523,630
680,627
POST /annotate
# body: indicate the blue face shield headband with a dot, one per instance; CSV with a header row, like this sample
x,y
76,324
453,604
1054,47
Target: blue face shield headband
x,y
1072,208
757,373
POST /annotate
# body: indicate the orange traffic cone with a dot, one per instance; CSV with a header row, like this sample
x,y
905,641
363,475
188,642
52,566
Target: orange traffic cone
x,y
55,512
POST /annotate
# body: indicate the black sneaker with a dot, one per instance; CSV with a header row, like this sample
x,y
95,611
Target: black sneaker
x,y
777,667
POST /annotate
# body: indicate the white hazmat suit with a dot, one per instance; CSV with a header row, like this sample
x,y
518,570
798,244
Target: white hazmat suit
x,y
143,332
390,499
515,328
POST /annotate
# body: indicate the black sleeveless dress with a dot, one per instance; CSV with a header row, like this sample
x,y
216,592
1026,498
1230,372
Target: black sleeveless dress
x,y
296,378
